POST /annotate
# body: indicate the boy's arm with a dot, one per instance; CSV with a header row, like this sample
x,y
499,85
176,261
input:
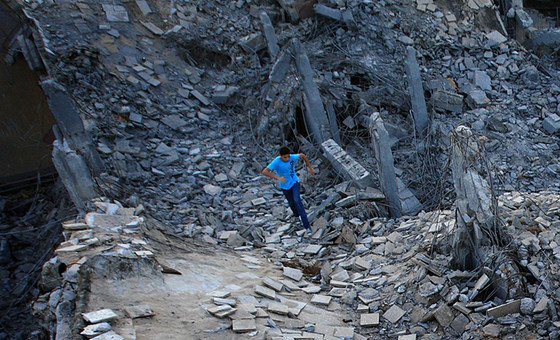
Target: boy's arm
x,y
272,175
307,163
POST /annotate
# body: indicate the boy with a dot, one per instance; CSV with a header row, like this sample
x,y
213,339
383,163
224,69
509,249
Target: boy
x,y
283,169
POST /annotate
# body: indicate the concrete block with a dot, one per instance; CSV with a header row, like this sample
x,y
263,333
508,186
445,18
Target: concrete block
x,y
321,299
293,273
394,314
101,315
263,291
416,90
551,124
345,165
505,309
369,319
448,101
244,325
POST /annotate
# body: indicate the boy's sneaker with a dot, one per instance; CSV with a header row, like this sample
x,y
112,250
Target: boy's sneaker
x,y
308,232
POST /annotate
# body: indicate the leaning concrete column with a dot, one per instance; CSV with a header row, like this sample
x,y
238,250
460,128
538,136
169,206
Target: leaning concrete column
x,y
74,173
315,116
386,164
70,123
270,35
416,90
475,218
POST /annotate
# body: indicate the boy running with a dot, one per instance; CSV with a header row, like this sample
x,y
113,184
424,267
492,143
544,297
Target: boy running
x,y
283,169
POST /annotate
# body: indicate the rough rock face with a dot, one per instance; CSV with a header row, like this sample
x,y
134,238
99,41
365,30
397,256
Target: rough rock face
x,y
187,101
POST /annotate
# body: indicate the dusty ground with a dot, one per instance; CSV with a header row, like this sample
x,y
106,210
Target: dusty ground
x,y
180,301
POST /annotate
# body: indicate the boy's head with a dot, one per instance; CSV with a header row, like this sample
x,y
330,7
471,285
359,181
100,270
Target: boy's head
x,y
284,153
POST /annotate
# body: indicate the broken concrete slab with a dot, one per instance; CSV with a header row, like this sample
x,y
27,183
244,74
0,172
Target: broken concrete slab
x,y
115,13
277,286
244,326
321,299
96,329
444,315
266,292
369,319
293,273
139,311
111,335
270,35
394,314
448,101
345,165
101,315
505,309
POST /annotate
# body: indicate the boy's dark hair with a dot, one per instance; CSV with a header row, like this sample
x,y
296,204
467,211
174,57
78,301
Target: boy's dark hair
x,y
284,150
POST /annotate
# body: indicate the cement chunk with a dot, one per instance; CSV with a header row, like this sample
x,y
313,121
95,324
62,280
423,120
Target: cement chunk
x,y
100,316
292,273
369,319
321,299
263,291
140,311
394,314
96,329
243,326
109,336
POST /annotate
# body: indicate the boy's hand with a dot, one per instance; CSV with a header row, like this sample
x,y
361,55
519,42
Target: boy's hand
x,y
282,179
312,171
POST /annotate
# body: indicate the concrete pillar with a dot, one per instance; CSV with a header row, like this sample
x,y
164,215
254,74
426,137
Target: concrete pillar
x,y
270,35
476,220
416,90
386,165
316,118
70,123
74,173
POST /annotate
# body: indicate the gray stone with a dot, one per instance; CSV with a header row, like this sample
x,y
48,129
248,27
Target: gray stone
x,y
459,323
144,7
551,124
448,101
152,28
244,325
527,306
444,315
293,273
111,335
270,35
394,314
523,18
96,329
369,319
477,99
263,291
495,38
115,13
321,299
482,80
140,311
100,316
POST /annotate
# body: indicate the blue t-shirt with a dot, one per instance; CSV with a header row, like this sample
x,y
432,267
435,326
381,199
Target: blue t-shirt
x,y
286,170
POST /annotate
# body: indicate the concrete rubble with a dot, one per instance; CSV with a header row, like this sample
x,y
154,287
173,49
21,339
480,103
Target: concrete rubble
x,y
182,103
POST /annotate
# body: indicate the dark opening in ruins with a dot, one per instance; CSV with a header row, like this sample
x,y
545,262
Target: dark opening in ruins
x,y
199,55
25,119
360,81
549,8
300,122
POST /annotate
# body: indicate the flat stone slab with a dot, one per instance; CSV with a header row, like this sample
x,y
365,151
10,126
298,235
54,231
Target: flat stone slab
x,y
292,273
221,311
220,294
394,314
266,292
321,299
220,301
110,221
278,308
505,309
407,337
77,247
277,286
96,329
101,315
369,319
111,335
344,332
243,326
313,249
140,311
115,13
75,226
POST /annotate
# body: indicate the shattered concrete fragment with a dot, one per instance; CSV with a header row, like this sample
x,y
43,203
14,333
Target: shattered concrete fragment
x,y
345,164
243,326
321,299
102,315
139,311
293,273
369,319
111,335
96,329
419,109
263,291
394,314
115,13
505,309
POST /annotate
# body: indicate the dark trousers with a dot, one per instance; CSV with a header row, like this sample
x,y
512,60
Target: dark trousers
x,y
294,200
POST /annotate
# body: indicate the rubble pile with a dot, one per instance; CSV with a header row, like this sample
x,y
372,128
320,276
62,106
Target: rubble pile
x,y
187,100
388,278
